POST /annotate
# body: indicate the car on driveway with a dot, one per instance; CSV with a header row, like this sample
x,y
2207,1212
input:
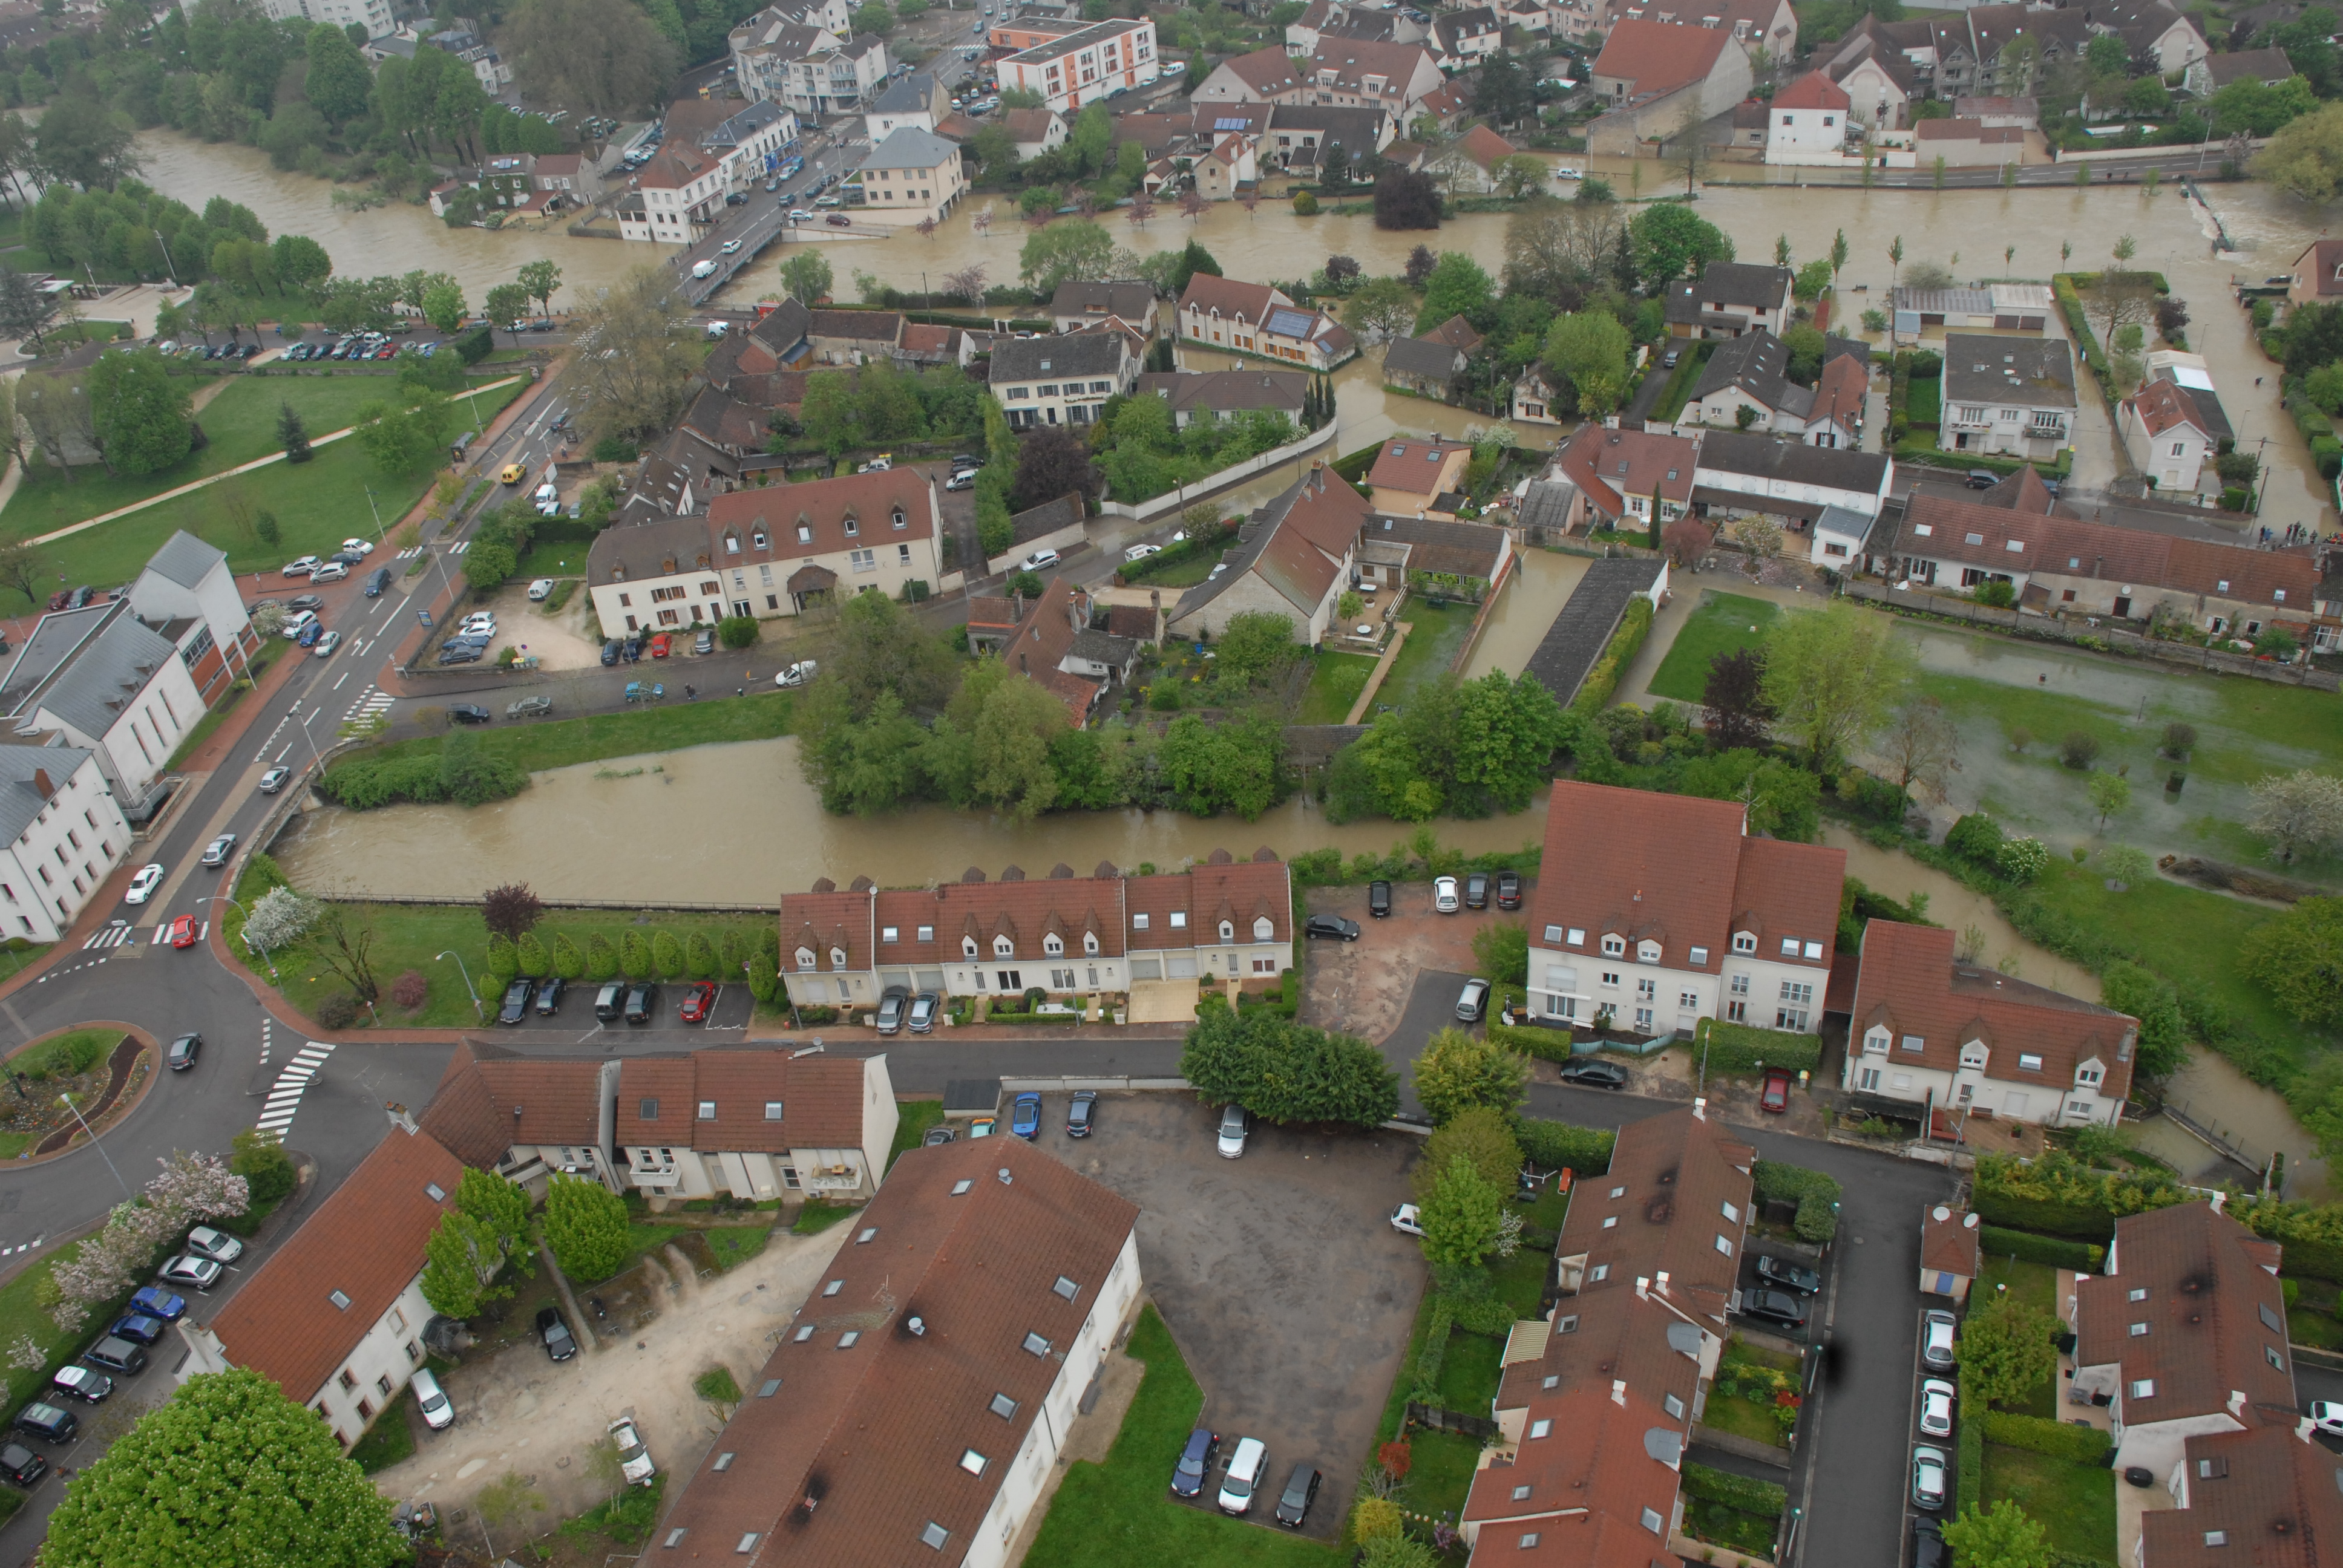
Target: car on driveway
x,y
1936,1341
553,1331
155,1302
1936,1400
1333,926
634,1454
961,481
1789,1276
1477,890
1776,1099
921,1018
183,932
203,1241
1243,1477
182,1052
698,1002
217,853
1774,1307
1595,1074
1379,900
517,1000
1195,1463
1301,1490
187,1270
982,1127
1443,895
299,621
1509,890
439,1415
274,780
893,1002
1407,1220
143,885
1234,1123
1025,1116
1081,1115
1931,1479
1472,1003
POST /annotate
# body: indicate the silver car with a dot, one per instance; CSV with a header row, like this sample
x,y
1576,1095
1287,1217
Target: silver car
x,y
924,1007
1936,1341
1938,1399
203,1241
1233,1123
217,853
1474,1004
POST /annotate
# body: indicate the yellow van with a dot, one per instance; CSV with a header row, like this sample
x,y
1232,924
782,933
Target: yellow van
x,y
512,475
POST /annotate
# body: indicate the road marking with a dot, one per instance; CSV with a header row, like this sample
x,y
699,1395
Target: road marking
x,y
112,937
337,683
370,702
460,547
285,1097
265,1022
409,553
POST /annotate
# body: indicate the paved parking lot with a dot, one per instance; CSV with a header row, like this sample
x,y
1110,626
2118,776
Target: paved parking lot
x,y
1361,988
1290,1296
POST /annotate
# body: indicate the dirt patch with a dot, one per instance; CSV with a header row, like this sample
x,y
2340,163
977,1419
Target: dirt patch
x,y
2223,879
1361,988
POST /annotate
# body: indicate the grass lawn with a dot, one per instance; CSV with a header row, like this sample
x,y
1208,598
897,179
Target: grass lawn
x,y
1182,574
653,727
1118,1514
1442,1474
1735,1414
2034,1284
1339,680
914,1117
817,1216
388,1440
643,1237
1431,649
316,504
1926,404
2075,1503
1720,625
734,1245
1468,1377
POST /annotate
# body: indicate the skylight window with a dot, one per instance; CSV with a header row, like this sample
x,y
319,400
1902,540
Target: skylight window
x,y
1066,1288
1037,1345
846,1340
961,1186
439,1193
833,1287
724,1460
972,1462
867,1235
934,1535
1004,1406
339,1299
803,1335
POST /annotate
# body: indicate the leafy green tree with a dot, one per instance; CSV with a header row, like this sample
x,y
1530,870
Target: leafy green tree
x,y
487,565
1380,309
1503,948
1074,251
701,954
1833,676
635,955
2109,794
2298,957
1457,286
1589,350
1254,643
2004,1538
229,1474
267,1169
1089,141
1457,1072
737,631
1397,1551
299,261
540,279
338,83
444,306
461,1260
505,307
292,435
601,959
2007,1350
667,954
1287,1073
764,979
1461,1216
568,961
142,412
586,1226
1668,240
806,278
1482,1135
2163,1045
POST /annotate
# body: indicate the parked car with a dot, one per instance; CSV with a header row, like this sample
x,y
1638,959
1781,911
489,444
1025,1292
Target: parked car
x,y
183,932
2326,1416
115,1355
1234,1123
301,601
1936,1328
329,572
1379,900
1140,552
22,1465
1509,890
1443,895
48,1422
642,1002
1081,1115
1473,1003
796,674
1040,560
517,996
302,566
1931,1479
1776,1096
299,621
1025,1116
659,645
1333,926
1245,1466
937,1136
203,1241
468,713
274,780
705,643
156,1301
698,1002
634,1454
893,1002
550,992
1789,1276
82,1383
180,1055
1595,1074
609,652
430,1399
1477,890
310,633
553,1331
982,1126
1301,1490
610,1001
1938,1398
217,853
530,708
966,481
1929,1546
462,653
138,1328
142,885
186,1269
1195,1463
1774,1307
835,219
1407,1220
922,1016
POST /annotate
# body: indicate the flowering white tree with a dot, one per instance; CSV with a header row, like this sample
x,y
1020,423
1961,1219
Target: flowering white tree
x,y
194,1187
103,1267
100,1269
25,1353
279,918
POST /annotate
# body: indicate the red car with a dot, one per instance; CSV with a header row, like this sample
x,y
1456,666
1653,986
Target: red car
x,y
1776,1098
658,646
183,932
699,1002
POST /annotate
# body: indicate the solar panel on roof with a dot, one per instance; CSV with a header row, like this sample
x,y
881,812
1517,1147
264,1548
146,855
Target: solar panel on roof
x,y
1231,123
1289,323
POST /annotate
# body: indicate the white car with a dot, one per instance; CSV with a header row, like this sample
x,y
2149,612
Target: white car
x,y
1140,552
541,589
295,621
143,885
800,214
358,546
882,464
217,853
325,645
729,247
1937,1331
1243,1478
634,1455
1407,1220
203,1241
2327,1416
1443,895
796,674
1038,561
1233,1123
431,1399
1937,1400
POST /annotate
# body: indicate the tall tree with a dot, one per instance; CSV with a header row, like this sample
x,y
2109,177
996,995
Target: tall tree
x,y
2005,1537
1921,747
586,1226
806,276
638,389
1834,675
142,411
1670,241
1052,461
1735,697
2298,957
1075,251
540,279
1457,1072
1462,1217
337,82
2008,1349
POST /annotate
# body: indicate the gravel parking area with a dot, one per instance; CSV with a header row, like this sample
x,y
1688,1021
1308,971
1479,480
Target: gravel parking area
x,y
1361,988
1288,1292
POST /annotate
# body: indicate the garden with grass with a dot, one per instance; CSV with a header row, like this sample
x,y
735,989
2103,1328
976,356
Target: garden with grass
x,y
1430,649
1335,687
631,732
2074,1501
1720,624
1747,1392
912,1120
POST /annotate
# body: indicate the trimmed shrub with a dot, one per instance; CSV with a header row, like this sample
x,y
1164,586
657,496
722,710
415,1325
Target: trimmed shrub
x,y
2060,1195
2036,1435
339,1010
1976,838
568,961
1602,680
1968,1488
534,959
1815,1194
504,959
764,983
667,955
737,631
601,959
1739,1048
635,955
410,989
1560,1146
476,344
732,955
1550,1044
700,953
1763,1498
2028,1248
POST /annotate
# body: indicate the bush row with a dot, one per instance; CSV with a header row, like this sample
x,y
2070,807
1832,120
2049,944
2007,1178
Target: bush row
x,y
1763,1498
1739,1048
1815,1194
643,955
2027,1247
1547,1044
1602,680
1423,1380
2062,1196
2039,1434
1968,1485
2070,305
1559,1146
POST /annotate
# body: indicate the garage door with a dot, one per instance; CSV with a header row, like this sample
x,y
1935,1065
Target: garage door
x,y
1148,968
1183,966
931,980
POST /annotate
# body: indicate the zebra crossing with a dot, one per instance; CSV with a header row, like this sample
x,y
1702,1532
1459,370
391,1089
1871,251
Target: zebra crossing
x,y
408,554
113,936
370,702
460,547
284,1096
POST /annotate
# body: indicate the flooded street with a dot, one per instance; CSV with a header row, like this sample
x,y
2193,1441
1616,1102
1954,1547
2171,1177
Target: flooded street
x,y
563,836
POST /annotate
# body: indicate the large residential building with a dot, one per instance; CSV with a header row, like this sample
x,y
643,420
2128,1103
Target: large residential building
x,y
1749,372
1085,66
913,177
62,832
1600,1394
932,1377
2184,1336
1619,476
2173,444
1957,1037
676,194
767,551
2266,1485
1220,919
1295,557
1255,318
1652,76
1062,380
915,102
335,1316
755,1124
1663,909
529,1119
188,595
1737,473
769,44
2007,395
101,679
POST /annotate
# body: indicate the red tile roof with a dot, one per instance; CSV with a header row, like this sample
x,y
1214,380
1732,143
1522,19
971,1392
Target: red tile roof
x,y
364,1242
1812,91
489,1099
2275,1496
1414,467
1230,297
1609,465
1658,57
1353,60
2213,1304
1949,1244
820,1098
825,925
2321,266
2289,578
874,1434
1486,148
2159,405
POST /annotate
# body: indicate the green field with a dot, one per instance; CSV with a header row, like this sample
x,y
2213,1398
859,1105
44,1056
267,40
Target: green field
x,y
1335,686
1430,649
1926,404
1720,625
563,742
316,504
2075,1503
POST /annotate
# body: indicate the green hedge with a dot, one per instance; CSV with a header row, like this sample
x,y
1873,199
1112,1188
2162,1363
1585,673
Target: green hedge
x,y
1354,467
1602,680
1065,1017
2037,1434
2070,305
1815,1194
1739,1048
1211,541
2312,1234
2028,1248
1968,1484
2062,1196
1548,1044
1559,1145
1762,1498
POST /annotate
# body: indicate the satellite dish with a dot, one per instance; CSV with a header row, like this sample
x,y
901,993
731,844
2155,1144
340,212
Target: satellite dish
x,y
1940,1215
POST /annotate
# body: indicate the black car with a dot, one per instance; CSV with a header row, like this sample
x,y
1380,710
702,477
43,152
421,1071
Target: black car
x,y
468,713
1333,926
377,580
516,999
1477,890
21,1465
1081,1116
80,597
548,996
1595,1074
1301,1489
1774,1307
1929,1546
1509,890
1789,1275
181,1055
87,1386
47,1422
642,1003
117,1356
558,1342
1195,1463
609,652
1379,900
632,651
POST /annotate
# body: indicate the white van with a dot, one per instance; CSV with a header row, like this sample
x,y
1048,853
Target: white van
x,y
703,269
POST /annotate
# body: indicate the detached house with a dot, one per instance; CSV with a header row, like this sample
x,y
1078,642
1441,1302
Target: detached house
x,y
1077,306
1295,558
1663,909
1748,373
1933,1033
913,177
2173,444
2007,395
1263,77
1463,38
1809,116
1652,74
1621,475
1223,313
1737,473
1221,395
1411,476
1055,646
1730,298
1062,380
755,1124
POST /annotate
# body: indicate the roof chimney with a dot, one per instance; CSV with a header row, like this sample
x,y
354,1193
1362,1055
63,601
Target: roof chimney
x,y
1619,1391
41,782
2237,1402
1642,1288
1661,1279
400,1117
917,1325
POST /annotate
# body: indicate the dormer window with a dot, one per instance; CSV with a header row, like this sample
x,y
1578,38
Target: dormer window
x,y
1228,930
1002,948
1091,943
1053,945
1973,1055
853,527
731,544
1647,952
838,957
1614,946
1264,930
967,947
897,518
2088,1075
805,535
1745,942
805,960
758,538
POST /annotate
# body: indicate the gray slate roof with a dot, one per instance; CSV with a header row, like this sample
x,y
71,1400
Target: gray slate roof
x,y
1581,632
1425,358
1015,360
55,637
184,559
90,691
1754,363
1742,283
909,147
1793,462
1046,518
2030,373
1547,504
907,95
21,800
1132,301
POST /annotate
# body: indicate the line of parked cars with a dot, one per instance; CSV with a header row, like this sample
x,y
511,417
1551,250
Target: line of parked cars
x,y
1241,1483
358,345
635,1001
901,1009
171,350
469,643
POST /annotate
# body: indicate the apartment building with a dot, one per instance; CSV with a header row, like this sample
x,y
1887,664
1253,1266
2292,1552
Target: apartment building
x,y
60,834
1104,60
914,176
1241,317
1062,380
754,1123
101,679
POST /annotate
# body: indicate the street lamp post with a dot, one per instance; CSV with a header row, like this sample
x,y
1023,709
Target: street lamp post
x,y
67,1101
224,899
378,514
477,1010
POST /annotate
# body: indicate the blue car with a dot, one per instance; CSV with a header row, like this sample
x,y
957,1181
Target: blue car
x,y
310,634
155,1302
1025,1116
138,1327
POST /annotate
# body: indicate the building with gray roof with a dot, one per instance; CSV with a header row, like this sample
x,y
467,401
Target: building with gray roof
x,y
101,679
